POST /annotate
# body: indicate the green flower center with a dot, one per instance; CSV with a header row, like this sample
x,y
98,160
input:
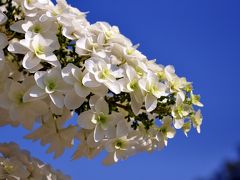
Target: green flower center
x,y
133,84
152,88
105,73
39,50
102,119
36,29
139,71
51,86
119,144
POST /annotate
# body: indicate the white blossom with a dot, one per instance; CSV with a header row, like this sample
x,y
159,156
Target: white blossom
x,y
56,66
153,90
18,164
75,97
100,72
98,118
40,49
48,84
166,131
24,112
119,148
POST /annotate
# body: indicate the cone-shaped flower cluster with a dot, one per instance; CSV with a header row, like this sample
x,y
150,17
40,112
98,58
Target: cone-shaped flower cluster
x,y
16,164
54,64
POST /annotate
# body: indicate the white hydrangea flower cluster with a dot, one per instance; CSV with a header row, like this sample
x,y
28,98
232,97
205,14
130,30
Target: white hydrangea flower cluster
x,y
16,164
54,64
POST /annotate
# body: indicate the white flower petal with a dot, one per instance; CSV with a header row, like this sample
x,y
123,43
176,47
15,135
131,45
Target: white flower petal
x,y
35,92
57,99
131,73
81,47
89,81
48,57
17,26
150,102
98,133
90,66
85,120
72,100
116,157
101,91
39,78
67,74
81,90
178,123
91,142
17,48
39,107
26,25
101,106
161,90
122,129
142,83
113,86
171,133
30,60
136,106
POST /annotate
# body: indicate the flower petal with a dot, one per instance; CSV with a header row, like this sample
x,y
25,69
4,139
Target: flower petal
x,y
67,74
33,94
30,60
122,129
136,106
98,133
57,99
72,100
48,56
89,81
101,106
84,120
81,90
90,66
178,123
150,102
113,86
39,77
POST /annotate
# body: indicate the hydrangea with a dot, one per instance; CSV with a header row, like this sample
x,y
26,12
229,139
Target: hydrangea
x,y
56,66
18,164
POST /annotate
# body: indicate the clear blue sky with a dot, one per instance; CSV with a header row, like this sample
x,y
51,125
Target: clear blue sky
x,y
201,38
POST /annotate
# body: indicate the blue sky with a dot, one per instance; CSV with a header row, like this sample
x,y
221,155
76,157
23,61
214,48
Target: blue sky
x,y
202,40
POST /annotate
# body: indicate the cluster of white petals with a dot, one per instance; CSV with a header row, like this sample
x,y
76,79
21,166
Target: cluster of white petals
x,y
16,164
55,65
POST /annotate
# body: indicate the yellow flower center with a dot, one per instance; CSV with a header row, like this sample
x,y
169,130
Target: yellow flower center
x,y
39,50
133,84
119,144
102,119
105,73
51,85
37,28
